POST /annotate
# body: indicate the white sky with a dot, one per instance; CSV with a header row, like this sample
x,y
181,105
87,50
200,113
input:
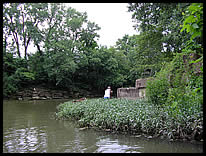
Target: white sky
x,y
113,18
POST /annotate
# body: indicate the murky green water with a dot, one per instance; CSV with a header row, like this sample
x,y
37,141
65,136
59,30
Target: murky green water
x,y
29,126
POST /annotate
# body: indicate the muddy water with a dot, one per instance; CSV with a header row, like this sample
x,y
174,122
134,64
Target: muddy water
x,y
30,127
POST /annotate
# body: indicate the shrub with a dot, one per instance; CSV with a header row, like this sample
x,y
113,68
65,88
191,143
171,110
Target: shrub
x,y
133,116
158,87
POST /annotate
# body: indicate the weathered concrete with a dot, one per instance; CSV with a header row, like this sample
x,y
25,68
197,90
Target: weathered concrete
x,y
130,93
139,91
141,83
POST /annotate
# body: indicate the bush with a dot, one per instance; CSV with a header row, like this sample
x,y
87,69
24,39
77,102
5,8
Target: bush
x,y
132,116
180,90
10,85
158,87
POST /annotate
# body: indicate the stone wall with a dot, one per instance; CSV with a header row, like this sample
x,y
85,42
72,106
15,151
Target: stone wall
x,y
41,94
139,91
140,83
131,93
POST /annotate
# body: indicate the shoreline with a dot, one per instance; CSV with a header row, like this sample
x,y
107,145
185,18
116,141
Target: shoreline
x,y
112,116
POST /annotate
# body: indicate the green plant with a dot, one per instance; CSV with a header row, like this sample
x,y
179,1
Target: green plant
x,y
193,22
158,87
132,116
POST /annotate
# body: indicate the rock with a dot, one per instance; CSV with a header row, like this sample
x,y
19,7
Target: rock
x,y
35,95
65,92
35,92
137,136
27,98
162,137
83,128
149,137
40,93
107,130
44,94
43,98
184,139
20,93
66,96
20,98
27,93
57,95
35,98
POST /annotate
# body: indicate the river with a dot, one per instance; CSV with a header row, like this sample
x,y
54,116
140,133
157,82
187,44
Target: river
x,y
30,127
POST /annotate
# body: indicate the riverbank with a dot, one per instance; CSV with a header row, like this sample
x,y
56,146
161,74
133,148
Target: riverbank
x,y
133,116
30,127
44,93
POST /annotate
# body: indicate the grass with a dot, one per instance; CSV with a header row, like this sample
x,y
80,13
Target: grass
x,y
132,116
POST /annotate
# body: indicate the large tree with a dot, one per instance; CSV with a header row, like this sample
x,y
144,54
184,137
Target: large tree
x,y
162,17
63,38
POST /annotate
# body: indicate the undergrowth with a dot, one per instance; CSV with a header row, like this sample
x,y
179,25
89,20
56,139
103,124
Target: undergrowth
x,y
132,116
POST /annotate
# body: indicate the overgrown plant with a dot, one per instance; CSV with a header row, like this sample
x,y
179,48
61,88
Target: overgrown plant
x,y
130,116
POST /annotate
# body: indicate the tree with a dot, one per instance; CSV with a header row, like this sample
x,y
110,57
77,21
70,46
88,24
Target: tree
x,y
193,24
69,38
179,84
162,17
143,53
63,37
22,21
11,24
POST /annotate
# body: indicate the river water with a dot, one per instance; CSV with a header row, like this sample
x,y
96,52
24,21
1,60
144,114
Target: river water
x,y
30,127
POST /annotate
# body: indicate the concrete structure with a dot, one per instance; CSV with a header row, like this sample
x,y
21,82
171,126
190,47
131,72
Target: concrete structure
x,y
131,93
139,91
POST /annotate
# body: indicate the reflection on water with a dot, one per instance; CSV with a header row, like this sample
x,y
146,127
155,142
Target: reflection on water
x,y
112,146
25,140
29,126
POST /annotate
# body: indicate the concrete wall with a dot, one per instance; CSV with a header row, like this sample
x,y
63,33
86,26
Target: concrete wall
x,y
139,91
142,92
141,83
131,93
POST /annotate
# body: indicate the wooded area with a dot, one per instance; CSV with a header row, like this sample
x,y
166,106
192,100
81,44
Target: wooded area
x,y
69,58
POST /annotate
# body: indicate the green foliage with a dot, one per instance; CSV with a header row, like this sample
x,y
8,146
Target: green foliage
x,y
188,91
193,22
62,45
174,83
158,88
24,75
162,17
114,114
15,74
35,63
183,76
142,52
131,116
69,57
10,85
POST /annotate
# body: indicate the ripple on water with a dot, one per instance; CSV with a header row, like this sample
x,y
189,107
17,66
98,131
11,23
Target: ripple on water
x,y
25,140
112,146
29,127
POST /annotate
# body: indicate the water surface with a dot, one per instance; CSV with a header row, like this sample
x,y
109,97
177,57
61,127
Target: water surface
x,y
30,127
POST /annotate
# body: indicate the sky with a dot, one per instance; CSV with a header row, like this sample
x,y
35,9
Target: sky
x,y
113,18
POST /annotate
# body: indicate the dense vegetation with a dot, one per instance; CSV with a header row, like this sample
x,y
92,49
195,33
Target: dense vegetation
x,y
133,116
67,56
